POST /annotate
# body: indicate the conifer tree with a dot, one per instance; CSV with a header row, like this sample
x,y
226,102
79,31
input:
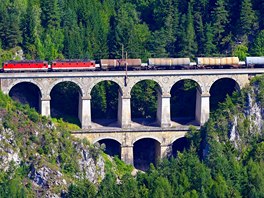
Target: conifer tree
x,y
200,32
32,30
258,45
12,33
209,48
158,43
50,13
189,44
248,20
124,31
220,22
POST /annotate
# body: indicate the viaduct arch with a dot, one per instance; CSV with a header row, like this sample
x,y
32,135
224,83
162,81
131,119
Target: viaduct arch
x,y
125,134
165,82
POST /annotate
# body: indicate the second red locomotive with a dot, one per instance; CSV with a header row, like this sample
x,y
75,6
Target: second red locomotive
x,y
69,65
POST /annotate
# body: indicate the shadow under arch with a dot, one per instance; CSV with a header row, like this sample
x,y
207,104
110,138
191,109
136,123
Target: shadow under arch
x,y
112,147
180,145
104,103
183,101
27,93
220,89
145,152
144,102
65,101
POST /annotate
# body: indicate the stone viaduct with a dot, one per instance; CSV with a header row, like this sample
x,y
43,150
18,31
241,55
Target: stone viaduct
x,y
126,135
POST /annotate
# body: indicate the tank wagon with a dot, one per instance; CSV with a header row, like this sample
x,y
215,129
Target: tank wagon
x,y
217,62
255,61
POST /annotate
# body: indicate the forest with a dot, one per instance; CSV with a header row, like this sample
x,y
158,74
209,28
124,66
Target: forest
x,y
215,164
95,29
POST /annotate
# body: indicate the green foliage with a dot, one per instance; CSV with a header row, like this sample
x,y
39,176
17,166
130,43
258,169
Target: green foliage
x,y
182,91
108,187
258,82
144,99
121,167
241,51
14,187
248,19
68,109
54,29
220,21
258,45
105,100
82,189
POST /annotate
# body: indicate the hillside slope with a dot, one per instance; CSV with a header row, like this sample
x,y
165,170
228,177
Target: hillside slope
x,y
225,159
40,157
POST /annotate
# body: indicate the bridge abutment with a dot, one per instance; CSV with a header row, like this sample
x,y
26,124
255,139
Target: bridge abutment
x,y
124,111
164,151
85,112
202,111
127,154
163,111
45,106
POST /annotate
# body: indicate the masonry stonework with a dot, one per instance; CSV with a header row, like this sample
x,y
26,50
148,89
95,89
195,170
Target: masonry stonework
x,y
165,80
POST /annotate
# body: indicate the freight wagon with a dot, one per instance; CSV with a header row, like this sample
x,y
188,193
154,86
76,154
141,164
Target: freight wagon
x,y
255,61
120,64
169,63
217,62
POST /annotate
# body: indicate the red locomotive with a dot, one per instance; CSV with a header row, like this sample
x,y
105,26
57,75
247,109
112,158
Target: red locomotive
x,y
69,65
25,66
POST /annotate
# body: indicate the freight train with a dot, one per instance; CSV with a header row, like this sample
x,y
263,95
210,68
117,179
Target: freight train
x,y
133,64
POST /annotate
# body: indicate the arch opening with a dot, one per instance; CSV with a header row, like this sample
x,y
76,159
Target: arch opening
x,y
219,91
27,93
183,101
104,103
180,145
65,99
112,147
144,102
146,151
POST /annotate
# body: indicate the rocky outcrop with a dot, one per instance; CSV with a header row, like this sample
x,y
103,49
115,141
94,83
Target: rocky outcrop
x,y
47,178
91,169
253,112
9,151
